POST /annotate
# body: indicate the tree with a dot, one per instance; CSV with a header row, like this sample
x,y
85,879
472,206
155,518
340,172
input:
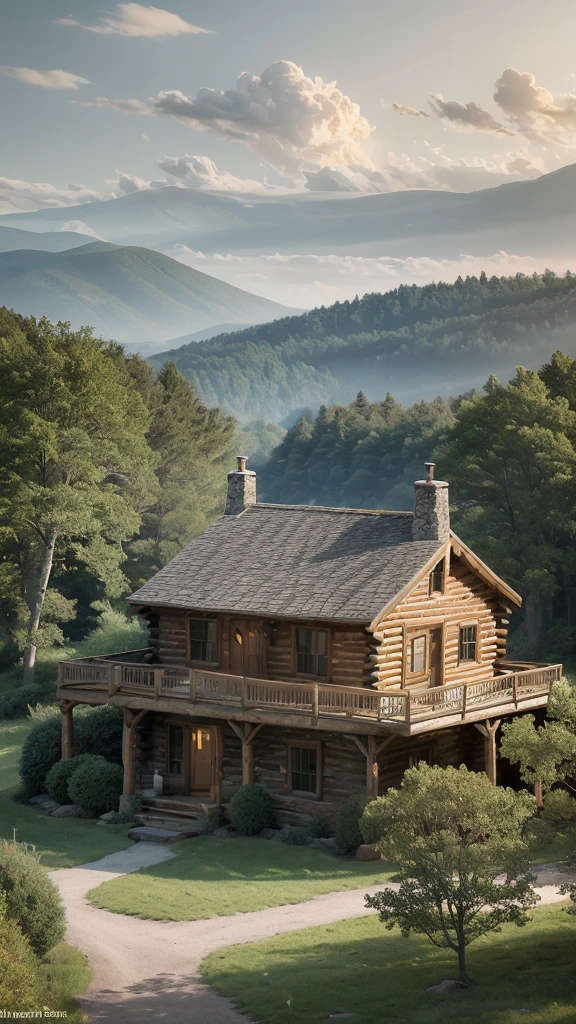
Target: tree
x,y
74,464
546,754
453,835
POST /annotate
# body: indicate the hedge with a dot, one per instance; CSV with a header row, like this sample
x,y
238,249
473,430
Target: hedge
x,y
251,810
32,899
19,988
96,785
96,731
59,776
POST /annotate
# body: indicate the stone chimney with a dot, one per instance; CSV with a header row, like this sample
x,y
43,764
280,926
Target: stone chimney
x,y
241,488
431,509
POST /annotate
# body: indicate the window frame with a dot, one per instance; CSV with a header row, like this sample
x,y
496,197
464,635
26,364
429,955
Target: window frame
x,y
308,675
305,745
432,590
469,625
190,618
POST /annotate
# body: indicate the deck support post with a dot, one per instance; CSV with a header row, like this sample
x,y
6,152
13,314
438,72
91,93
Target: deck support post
x,y
246,733
67,707
131,719
371,750
488,730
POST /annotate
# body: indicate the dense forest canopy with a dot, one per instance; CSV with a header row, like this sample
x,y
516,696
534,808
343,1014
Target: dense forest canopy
x,y
456,332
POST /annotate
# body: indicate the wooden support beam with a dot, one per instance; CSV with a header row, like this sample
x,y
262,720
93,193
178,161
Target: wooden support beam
x,y
488,730
371,750
131,719
67,707
246,732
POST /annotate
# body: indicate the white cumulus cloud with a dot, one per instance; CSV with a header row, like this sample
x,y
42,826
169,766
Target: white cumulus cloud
x,y
201,172
23,196
138,20
47,79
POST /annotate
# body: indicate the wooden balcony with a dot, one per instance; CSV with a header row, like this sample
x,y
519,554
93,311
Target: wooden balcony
x,y
126,680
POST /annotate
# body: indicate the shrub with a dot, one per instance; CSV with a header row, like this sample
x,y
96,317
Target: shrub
x,y
132,807
251,810
59,776
32,899
15,704
559,807
348,835
18,967
319,828
96,731
209,822
295,836
96,785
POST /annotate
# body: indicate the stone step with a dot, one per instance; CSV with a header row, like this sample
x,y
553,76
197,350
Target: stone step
x,y
189,826
148,834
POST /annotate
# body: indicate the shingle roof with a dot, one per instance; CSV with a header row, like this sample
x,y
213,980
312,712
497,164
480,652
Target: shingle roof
x,y
293,561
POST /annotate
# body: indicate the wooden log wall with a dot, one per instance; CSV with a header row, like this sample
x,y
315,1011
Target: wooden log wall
x,y
467,599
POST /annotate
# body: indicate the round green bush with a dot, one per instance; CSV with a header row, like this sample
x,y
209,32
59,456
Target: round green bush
x,y
96,731
96,785
295,836
19,988
32,899
251,810
59,776
319,828
348,835
559,807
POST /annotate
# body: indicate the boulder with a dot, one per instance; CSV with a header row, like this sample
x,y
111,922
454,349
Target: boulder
x,y
69,811
270,833
42,798
445,987
366,852
107,817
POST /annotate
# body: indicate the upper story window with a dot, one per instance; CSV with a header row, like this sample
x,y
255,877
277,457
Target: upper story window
x,y
204,640
312,652
437,578
468,643
417,654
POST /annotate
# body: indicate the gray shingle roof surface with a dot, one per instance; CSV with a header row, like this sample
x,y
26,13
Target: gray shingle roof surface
x,y
299,562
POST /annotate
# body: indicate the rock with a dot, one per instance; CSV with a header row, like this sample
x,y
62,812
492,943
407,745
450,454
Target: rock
x,y
446,987
42,798
69,811
328,845
108,816
271,833
50,805
368,853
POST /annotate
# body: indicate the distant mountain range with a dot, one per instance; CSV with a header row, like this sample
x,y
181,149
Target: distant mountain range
x,y
535,218
47,241
131,294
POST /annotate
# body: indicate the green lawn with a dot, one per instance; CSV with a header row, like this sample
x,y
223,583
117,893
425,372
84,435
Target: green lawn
x,y
359,967
208,877
65,974
62,843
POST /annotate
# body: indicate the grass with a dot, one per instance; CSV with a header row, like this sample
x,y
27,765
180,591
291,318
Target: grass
x,y
359,967
61,842
208,877
65,974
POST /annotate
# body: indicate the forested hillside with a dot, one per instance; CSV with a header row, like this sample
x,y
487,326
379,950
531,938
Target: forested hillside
x,y
509,454
458,334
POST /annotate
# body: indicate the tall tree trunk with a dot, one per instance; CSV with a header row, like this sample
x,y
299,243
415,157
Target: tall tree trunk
x,y
44,579
538,794
462,963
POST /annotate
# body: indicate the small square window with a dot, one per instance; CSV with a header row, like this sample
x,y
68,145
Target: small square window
x,y
204,640
417,654
312,652
304,769
467,643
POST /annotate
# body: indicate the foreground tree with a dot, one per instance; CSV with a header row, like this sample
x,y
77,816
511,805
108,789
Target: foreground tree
x,y
545,754
74,463
463,861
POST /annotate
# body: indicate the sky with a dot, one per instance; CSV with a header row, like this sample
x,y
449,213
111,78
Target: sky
x,y
309,95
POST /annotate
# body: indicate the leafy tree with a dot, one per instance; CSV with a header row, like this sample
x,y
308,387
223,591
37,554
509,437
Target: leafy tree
x,y
546,754
74,466
453,835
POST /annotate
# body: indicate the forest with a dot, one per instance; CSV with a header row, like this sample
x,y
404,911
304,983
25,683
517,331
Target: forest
x,y
459,333
108,468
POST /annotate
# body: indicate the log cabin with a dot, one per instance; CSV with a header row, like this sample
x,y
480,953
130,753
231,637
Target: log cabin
x,y
317,651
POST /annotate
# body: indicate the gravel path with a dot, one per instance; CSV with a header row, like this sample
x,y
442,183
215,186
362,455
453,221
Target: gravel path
x,y
148,970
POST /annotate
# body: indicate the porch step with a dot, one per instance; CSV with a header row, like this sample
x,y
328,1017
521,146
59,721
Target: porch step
x,y
178,807
147,834
184,826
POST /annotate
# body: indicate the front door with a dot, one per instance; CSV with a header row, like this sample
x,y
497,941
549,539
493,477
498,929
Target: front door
x,y
247,648
435,648
202,759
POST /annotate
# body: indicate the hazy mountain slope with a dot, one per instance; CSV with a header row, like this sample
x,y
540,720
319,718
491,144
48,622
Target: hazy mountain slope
x,y
415,342
536,218
48,241
203,335
131,294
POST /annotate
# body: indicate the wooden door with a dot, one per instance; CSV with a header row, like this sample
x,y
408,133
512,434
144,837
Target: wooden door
x,y
435,656
202,759
247,648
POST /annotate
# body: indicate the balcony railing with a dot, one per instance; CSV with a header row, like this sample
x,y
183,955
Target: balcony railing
x,y
518,686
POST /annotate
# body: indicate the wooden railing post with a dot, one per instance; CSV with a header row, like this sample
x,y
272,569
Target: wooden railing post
x,y
464,698
408,708
515,688
158,676
315,705
192,678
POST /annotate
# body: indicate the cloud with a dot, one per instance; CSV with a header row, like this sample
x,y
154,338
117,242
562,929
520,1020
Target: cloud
x,y
467,175
467,115
288,119
80,228
23,196
201,172
137,20
409,111
47,79
129,183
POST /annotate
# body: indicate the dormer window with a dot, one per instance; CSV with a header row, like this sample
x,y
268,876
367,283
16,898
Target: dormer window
x,y
437,578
